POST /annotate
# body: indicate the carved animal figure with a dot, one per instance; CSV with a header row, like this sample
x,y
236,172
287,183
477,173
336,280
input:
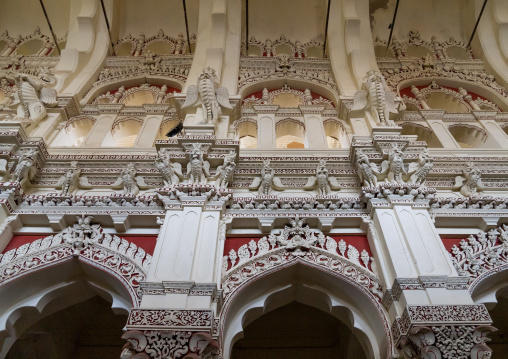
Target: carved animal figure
x,y
226,171
128,181
210,97
31,95
322,181
24,166
267,181
70,180
470,182
379,101
424,165
171,171
366,170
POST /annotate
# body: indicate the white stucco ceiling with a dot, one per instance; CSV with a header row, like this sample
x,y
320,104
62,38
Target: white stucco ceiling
x,y
297,19
429,17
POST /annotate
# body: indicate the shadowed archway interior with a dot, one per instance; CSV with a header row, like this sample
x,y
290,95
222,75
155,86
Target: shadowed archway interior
x,y
297,331
88,329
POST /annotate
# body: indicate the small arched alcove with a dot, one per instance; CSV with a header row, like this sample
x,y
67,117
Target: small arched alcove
x,y
469,136
422,132
302,296
70,309
290,134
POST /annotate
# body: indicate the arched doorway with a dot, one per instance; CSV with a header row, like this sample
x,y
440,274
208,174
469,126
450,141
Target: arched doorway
x,y
297,331
88,329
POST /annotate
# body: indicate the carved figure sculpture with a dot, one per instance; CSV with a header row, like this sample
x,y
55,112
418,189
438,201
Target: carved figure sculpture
x,y
209,96
267,181
171,171
366,170
322,182
128,180
198,170
394,166
226,171
376,99
423,167
32,94
25,168
470,182
69,182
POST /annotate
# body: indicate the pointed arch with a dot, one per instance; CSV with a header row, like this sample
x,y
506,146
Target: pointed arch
x,y
311,284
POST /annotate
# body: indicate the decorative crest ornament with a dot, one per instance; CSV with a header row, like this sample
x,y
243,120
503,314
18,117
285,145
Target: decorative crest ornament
x,y
83,234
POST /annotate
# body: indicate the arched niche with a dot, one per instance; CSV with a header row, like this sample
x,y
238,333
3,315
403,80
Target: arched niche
x,y
41,294
491,289
315,52
275,84
468,136
309,286
246,131
30,47
132,82
289,134
74,132
335,132
423,133
483,94
139,98
458,52
124,133
124,49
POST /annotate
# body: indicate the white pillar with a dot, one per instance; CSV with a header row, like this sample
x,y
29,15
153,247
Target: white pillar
x,y
99,131
315,132
148,132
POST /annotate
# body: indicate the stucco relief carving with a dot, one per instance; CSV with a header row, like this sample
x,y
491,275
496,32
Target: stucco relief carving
x,y
209,96
267,181
171,172
129,181
69,182
376,99
470,182
31,95
394,170
25,169
161,344
322,182
87,241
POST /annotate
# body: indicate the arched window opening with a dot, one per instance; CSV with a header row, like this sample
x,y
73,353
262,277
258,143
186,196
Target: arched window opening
x,y
335,134
423,134
450,99
297,331
138,95
246,132
468,136
290,134
89,329
458,52
124,133
75,132
166,126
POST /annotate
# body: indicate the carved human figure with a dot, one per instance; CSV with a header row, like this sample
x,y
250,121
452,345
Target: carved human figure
x,y
366,170
265,97
139,45
470,182
180,43
209,96
227,170
161,94
197,168
268,47
322,182
24,166
31,94
70,180
171,171
424,165
267,181
376,99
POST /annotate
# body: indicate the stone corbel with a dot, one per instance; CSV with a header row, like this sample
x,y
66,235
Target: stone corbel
x,y
57,222
443,331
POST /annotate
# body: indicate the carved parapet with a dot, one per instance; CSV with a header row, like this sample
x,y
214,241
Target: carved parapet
x,y
443,331
387,195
